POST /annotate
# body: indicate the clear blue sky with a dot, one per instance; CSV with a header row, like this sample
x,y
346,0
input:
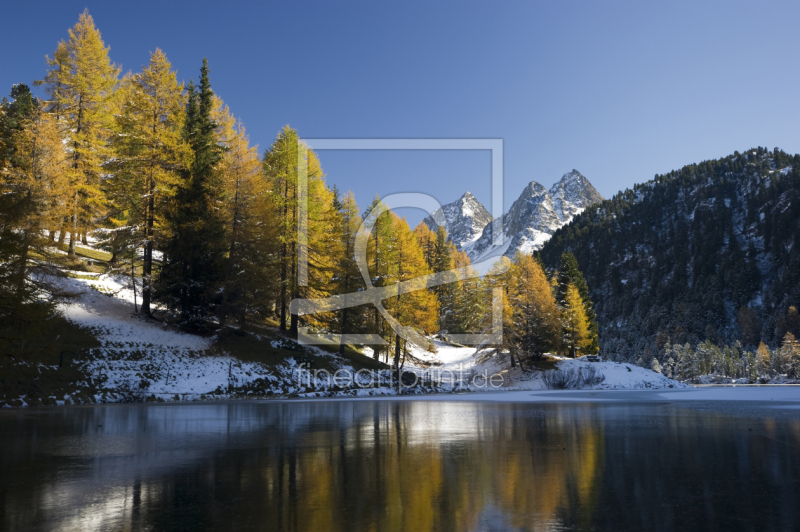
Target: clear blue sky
x,y
617,90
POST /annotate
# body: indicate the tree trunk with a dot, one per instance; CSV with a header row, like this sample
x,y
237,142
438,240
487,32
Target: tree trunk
x,y
344,330
147,265
133,280
23,262
284,250
74,227
231,257
397,352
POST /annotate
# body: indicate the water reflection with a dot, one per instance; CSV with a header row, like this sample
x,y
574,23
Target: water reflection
x,y
397,466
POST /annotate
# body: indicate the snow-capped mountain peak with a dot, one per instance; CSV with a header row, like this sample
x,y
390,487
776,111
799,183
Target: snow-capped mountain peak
x,y
464,220
535,216
572,194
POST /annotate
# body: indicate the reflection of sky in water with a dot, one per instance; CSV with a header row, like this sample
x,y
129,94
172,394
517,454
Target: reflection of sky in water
x,y
405,465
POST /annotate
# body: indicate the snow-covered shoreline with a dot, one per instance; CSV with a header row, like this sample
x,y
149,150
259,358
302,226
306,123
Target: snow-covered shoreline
x,y
144,360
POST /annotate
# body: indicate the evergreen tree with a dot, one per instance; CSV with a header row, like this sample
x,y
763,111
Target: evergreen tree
x,y
669,368
749,326
13,114
793,321
790,351
655,366
443,261
470,306
195,245
568,272
687,368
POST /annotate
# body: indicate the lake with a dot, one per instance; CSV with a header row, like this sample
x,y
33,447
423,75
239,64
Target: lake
x,y
413,465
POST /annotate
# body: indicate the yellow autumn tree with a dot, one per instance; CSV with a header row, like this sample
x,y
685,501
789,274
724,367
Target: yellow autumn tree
x,y
35,192
251,226
427,240
575,323
536,320
281,170
82,81
149,150
763,362
380,261
419,308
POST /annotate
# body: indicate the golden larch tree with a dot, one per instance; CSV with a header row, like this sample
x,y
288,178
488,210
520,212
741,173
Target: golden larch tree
x,y
82,82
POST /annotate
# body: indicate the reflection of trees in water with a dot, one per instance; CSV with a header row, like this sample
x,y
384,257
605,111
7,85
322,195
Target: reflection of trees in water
x,y
421,466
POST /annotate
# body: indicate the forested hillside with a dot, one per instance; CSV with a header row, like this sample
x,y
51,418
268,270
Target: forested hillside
x,y
707,252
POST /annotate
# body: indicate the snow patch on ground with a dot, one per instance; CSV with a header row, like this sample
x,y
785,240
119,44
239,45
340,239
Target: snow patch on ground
x,y
148,358
461,361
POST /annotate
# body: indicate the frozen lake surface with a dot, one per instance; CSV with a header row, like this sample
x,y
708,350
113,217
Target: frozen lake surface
x,y
583,460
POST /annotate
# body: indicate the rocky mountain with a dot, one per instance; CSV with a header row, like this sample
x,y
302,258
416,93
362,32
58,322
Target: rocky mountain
x,y
464,220
709,251
535,216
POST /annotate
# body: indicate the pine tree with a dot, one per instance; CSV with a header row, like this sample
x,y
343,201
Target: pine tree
x,y
793,321
669,368
790,351
470,305
655,366
150,152
82,82
569,272
443,261
686,365
749,326
196,242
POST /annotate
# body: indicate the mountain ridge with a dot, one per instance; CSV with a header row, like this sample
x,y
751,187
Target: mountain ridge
x,y
705,252
535,216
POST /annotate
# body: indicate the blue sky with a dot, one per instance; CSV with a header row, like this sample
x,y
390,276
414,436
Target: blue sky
x,y
618,90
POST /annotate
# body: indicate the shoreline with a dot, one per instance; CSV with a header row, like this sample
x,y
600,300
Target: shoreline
x,y
777,393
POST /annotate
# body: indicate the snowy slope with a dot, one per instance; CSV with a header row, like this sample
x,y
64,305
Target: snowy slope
x,y
151,359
